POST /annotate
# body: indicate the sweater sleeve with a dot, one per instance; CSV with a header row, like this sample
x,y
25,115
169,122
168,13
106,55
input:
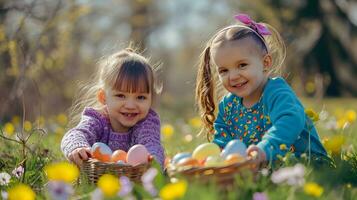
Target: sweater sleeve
x,y
287,116
147,133
84,134
222,133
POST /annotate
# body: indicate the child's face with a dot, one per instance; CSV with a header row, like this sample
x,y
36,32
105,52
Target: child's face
x,y
126,109
241,67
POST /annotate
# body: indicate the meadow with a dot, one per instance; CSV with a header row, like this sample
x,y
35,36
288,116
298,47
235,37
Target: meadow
x,y
33,167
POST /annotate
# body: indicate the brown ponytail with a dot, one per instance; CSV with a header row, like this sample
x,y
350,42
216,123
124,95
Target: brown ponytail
x,y
205,92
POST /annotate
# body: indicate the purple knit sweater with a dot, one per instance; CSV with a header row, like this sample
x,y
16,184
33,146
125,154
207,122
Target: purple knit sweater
x,y
95,127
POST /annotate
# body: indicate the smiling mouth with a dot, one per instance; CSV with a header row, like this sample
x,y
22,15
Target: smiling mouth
x,y
129,114
240,84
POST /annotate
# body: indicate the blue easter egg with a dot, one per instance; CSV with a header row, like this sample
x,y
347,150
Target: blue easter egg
x,y
234,146
180,156
101,151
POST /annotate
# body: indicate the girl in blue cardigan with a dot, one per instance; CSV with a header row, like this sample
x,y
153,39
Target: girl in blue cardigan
x,y
260,108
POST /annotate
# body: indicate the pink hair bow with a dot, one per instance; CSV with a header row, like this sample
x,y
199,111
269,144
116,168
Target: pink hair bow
x,y
259,27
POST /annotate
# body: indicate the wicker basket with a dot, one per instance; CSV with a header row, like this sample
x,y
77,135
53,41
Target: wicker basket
x,y
92,169
224,175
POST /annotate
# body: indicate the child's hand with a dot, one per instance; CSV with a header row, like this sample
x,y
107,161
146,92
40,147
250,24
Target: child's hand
x,y
256,153
78,155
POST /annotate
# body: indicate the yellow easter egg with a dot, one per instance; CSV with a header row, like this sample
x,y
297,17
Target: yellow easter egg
x,y
204,150
234,158
214,161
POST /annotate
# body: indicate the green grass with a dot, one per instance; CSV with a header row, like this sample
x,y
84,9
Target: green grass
x,y
337,183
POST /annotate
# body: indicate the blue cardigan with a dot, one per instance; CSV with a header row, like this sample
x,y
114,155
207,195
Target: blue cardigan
x,y
287,125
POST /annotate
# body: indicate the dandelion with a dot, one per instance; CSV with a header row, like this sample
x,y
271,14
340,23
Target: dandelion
x,y
283,147
62,119
9,128
313,189
312,115
147,180
334,144
4,178
342,123
27,126
290,175
167,130
260,196
18,172
173,190
21,191
350,116
109,185
59,190
310,87
62,171
195,122
16,120
59,130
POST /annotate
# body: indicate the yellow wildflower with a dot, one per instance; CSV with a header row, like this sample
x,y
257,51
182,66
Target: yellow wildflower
x,y
9,128
349,186
62,171
312,115
283,147
350,116
59,130
195,122
167,130
341,123
62,119
335,143
21,192
173,190
313,189
109,184
310,87
15,120
27,126
339,113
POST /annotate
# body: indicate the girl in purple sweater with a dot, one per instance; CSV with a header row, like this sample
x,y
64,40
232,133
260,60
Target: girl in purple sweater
x,y
116,109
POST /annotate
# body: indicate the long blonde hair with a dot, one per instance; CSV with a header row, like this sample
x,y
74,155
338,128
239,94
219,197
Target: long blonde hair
x,y
124,70
209,90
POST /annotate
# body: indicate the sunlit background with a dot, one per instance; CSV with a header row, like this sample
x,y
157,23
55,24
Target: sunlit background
x,y
48,47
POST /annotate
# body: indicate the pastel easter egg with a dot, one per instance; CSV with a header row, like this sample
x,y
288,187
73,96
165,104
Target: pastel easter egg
x,y
180,156
137,154
204,150
234,146
188,162
233,159
101,152
213,161
118,155
120,162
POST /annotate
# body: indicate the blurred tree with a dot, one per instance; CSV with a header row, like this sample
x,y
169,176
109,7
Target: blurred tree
x,y
333,52
37,53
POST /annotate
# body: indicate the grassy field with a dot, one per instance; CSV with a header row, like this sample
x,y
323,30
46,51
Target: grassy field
x,y
337,128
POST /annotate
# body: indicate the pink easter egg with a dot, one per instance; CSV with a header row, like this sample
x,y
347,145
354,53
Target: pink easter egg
x,y
137,154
